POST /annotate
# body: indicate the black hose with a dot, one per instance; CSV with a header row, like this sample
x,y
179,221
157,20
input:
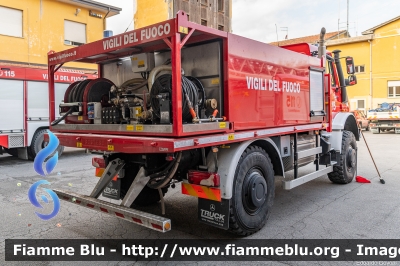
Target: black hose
x,y
156,184
163,84
200,89
55,122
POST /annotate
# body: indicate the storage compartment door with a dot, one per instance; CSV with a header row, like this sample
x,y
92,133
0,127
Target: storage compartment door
x,y
316,93
11,105
38,101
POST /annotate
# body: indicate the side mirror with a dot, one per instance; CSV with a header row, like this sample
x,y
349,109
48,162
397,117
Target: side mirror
x,y
352,80
350,65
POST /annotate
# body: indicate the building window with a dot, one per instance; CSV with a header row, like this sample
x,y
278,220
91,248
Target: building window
x,y
220,27
204,2
204,22
10,22
360,69
361,104
393,89
221,5
74,33
394,92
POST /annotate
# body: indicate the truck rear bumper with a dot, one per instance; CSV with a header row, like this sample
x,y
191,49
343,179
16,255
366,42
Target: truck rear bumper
x,y
148,220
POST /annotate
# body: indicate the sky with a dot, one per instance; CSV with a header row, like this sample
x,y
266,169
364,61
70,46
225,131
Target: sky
x,y
263,19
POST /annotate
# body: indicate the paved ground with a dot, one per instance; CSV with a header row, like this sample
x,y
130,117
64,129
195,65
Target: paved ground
x,y
318,209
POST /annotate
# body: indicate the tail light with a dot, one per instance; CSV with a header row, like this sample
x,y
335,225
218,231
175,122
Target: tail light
x,y
204,178
98,162
100,165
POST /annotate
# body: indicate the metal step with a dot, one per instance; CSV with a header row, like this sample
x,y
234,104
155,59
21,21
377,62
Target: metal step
x,y
309,152
148,220
288,185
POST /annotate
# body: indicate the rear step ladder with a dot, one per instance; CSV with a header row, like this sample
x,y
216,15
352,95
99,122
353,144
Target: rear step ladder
x,y
297,181
122,211
148,220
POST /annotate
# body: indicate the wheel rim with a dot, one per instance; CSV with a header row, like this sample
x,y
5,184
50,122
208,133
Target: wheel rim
x,y
254,191
351,158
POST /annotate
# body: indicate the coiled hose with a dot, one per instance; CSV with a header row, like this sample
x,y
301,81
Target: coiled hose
x,y
163,84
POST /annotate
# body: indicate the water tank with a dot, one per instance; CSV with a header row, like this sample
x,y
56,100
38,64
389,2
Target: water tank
x,y
107,33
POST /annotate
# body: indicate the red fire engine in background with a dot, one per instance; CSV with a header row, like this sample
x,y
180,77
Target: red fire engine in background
x,y
221,114
24,106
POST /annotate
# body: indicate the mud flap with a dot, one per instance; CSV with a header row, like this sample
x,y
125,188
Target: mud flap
x,y
113,190
214,213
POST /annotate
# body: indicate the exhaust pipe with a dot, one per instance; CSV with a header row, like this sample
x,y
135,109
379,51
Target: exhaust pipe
x,y
321,43
342,81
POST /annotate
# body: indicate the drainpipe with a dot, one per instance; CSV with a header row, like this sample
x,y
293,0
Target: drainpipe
x,y
104,20
370,74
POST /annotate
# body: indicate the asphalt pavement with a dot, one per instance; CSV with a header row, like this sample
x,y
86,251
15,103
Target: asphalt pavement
x,y
316,210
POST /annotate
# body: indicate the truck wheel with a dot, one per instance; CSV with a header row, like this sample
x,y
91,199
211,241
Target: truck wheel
x,y
345,173
38,144
253,192
147,196
375,130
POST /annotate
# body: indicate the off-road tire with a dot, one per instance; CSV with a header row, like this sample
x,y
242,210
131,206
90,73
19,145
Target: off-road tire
x,y
38,144
346,172
147,196
246,218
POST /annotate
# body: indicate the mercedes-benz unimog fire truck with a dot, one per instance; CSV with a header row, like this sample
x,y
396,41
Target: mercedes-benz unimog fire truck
x,y
219,114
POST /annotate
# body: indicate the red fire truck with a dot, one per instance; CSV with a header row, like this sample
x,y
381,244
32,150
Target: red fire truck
x,y
24,106
223,115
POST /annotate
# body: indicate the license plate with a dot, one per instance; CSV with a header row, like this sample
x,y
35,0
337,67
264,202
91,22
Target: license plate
x,y
113,190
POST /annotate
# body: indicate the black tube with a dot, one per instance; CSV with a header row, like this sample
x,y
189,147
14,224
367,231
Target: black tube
x,y
55,122
342,82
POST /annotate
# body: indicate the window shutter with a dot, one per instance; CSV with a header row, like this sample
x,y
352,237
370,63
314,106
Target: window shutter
x,y
74,31
10,22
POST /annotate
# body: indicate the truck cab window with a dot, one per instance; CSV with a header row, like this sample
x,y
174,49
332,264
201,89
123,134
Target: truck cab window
x,y
332,73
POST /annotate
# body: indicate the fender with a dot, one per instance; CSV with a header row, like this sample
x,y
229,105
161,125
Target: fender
x,y
342,121
228,159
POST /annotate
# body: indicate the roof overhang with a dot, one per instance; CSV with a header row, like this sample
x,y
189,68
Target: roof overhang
x,y
371,30
95,6
363,38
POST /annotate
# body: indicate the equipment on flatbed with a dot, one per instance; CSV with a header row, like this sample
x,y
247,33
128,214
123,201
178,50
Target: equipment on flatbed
x,y
222,114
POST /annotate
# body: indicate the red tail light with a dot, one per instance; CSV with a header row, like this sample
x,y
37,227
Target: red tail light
x,y
203,178
98,162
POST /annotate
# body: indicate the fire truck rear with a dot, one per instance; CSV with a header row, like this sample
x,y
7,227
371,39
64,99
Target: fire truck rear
x,y
220,114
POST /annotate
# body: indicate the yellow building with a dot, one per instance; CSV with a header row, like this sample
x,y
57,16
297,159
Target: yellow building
x,y
377,58
216,14
29,29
